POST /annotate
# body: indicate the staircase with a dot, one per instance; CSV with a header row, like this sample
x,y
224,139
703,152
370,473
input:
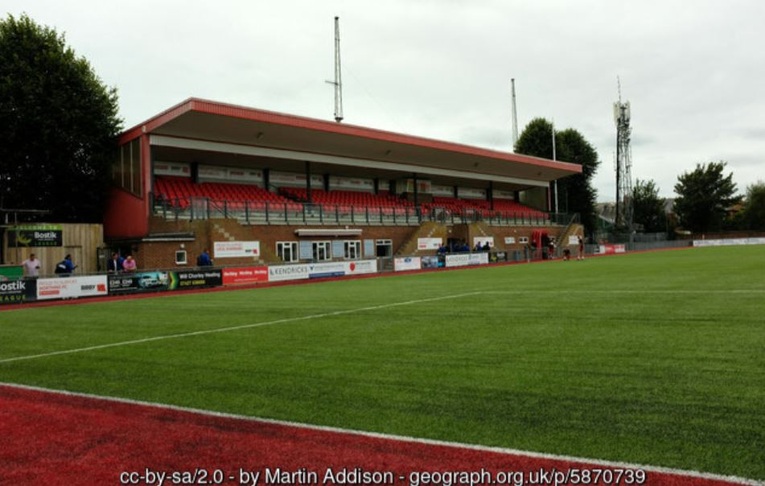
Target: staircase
x,y
429,229
481,230
231,230
571,229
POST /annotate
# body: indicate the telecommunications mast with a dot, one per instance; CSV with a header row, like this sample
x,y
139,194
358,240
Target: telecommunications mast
x,y
338,82
623,218
515,116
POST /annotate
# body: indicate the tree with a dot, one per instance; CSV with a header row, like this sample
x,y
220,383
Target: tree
x,y
753,214
59,125
704,196
648,207
575,192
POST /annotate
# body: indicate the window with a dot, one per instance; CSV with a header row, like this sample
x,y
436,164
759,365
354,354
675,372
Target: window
x,y
126,171
180,257
287,250
321,250
352,249
384,248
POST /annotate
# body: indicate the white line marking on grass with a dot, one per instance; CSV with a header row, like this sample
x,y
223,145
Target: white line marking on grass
x,y
626,291
392,437
234,328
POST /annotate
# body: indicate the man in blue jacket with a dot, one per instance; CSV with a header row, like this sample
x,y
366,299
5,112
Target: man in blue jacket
x,y
204,259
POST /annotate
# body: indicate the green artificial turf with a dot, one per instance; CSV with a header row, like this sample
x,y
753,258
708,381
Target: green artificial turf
x,y
653,358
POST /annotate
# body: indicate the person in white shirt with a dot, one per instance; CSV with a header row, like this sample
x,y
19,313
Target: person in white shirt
x,y
31,266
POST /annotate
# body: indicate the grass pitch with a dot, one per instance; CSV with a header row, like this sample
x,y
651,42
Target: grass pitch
x,y
654,358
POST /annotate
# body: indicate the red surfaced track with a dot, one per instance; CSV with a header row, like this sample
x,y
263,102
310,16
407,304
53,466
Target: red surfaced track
x,y
60,439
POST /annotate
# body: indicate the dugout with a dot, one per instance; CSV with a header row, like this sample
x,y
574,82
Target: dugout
x,y
290,188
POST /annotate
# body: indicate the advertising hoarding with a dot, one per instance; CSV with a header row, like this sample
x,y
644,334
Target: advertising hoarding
x,y
35,235
407,263
72,287
18,291
236,249
245,275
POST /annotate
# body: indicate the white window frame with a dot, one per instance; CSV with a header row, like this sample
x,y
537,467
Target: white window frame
x,y
388,243
322,250
352,249
291,250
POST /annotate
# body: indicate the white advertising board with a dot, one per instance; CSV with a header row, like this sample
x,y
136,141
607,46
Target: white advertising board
x,y
236,249
482,240
466,259
280,273
72,287
730,242
429,243
407,263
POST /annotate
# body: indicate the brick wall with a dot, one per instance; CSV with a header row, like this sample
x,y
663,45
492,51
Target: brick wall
x,y
204,233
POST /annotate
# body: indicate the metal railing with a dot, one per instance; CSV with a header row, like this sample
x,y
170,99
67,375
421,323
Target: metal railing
x,y
265,212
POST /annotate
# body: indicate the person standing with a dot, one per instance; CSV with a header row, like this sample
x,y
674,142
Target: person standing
x,y
114,265
129,264
204,259
580,255
31,266
65,267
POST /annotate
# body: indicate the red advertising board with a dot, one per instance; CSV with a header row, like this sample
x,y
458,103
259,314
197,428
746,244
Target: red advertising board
x,y
611,249
244,275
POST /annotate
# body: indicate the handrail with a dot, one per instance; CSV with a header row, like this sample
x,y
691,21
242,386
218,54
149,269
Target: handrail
x,y
575,218
270,212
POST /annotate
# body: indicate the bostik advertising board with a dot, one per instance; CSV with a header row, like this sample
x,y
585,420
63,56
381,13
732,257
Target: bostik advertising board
x,y
35,235
17,291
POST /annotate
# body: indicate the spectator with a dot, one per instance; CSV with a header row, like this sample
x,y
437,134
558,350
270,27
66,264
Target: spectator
x,y
115,264
65,267
545,246
129,264
580,255
204,259
31,266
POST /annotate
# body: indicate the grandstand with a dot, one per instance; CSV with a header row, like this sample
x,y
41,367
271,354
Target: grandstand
x,y
204,171
503,208
178,192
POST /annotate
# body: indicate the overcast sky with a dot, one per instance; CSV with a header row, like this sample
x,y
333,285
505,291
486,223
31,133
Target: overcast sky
x,y
693,71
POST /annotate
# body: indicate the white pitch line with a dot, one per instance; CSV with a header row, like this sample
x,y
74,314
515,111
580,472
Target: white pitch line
x,y
233,328
401,438
625,291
